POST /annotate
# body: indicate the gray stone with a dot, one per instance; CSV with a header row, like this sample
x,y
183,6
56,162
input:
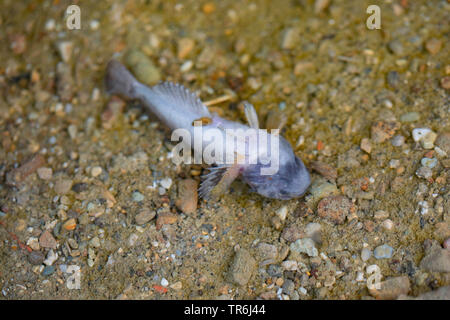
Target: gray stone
x,y
366,254
144,216
383,252
242,268
305,245
436,260
137,196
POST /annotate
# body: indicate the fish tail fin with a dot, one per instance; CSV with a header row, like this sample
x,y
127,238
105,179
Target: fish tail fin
x,y
119,81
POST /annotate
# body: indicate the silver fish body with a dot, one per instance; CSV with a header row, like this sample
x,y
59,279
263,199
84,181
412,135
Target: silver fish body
x,y
178,108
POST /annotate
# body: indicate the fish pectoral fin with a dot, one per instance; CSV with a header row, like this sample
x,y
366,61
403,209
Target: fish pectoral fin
x,y
251,115
218,180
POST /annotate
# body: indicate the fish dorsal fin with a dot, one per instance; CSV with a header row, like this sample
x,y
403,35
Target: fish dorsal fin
x,y
180,96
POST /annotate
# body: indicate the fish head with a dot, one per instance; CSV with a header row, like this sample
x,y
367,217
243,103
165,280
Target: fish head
x,y
290,180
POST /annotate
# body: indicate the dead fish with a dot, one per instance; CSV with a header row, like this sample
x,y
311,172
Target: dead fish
x,y
177,107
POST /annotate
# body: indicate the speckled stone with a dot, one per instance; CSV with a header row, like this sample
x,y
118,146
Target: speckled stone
x,y
383,252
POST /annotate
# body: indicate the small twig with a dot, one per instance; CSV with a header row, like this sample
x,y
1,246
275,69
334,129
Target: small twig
x,y
217,100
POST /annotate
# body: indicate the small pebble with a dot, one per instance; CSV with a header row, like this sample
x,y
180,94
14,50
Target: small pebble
x,y
96,171
394,163
36,257
443,142
383,130
424,172
65,49
46,240
425,136
242,268
70,224
290,38
366,145
137,196
335,208
95,242
48,270
383,252
398,141
166,183
445,82
185,46
52,256
63,186
429,162
143,67
410,117
164,282
433,46
176,286
391,288
365,254
144,216
396,47
305,245
282,213
45,173
187,196
387,224
165,217
446,243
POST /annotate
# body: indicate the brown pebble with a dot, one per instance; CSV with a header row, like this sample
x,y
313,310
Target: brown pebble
x,y
36,257
208,8
70,224
391,288
165,217
113,109
63,186
366,145
18,43
144,216
46,240
433,45
324,169
445,82
65,82
446,243
335,208
369,225
185,46
383,130
269,295
16,176
292,233
187,196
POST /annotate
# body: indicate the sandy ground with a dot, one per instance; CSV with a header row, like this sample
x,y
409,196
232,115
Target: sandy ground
x,y
91,205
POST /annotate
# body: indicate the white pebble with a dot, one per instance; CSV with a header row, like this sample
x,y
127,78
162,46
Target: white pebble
x,y
94,24
387,224
164,282
282,213
394,163
96,171
50,25
419,133
166,183
302,290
